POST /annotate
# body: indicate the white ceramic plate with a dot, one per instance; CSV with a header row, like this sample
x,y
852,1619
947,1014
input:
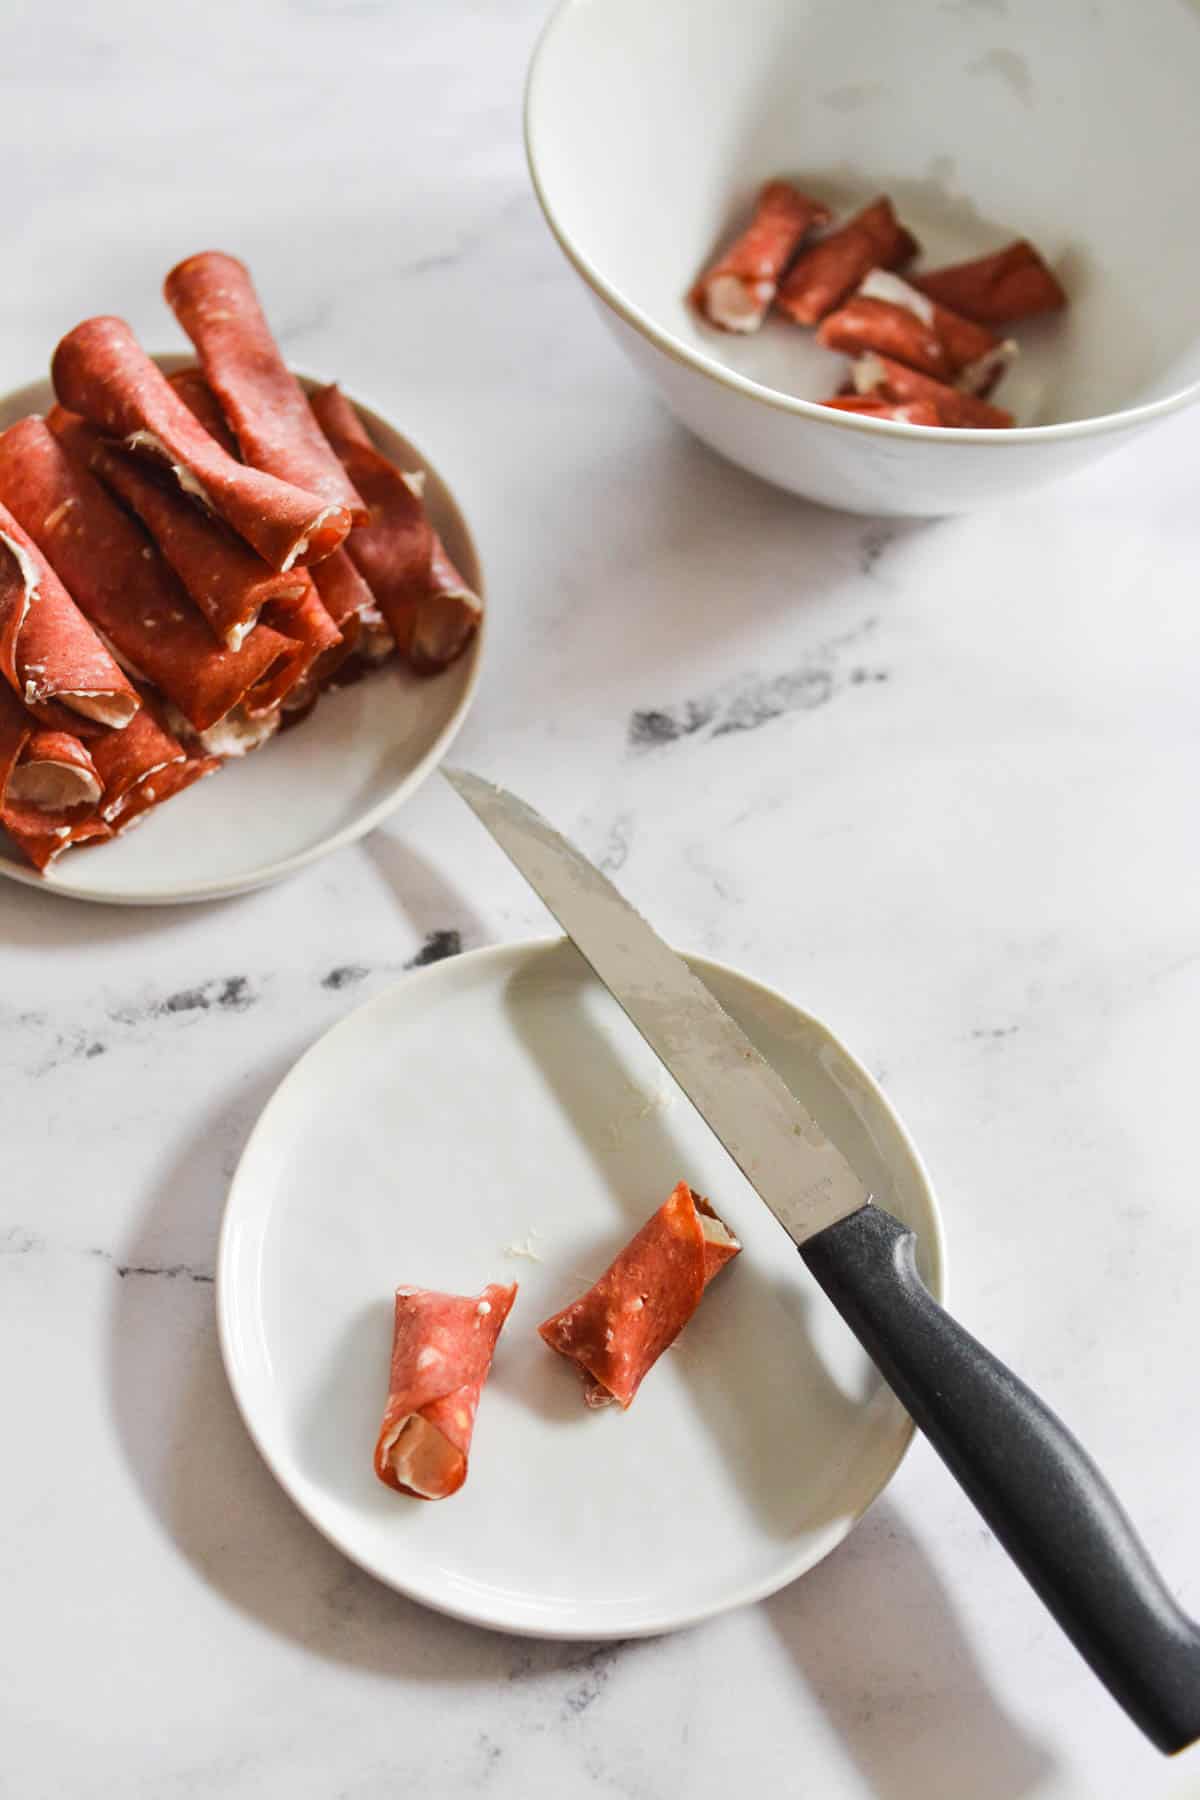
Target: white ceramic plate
x,y
310,790
503,1099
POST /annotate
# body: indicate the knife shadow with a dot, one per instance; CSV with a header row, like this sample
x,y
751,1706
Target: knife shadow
x,y
878,1640
752,1362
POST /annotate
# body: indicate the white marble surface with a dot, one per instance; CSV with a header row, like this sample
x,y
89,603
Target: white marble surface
x,y
937,782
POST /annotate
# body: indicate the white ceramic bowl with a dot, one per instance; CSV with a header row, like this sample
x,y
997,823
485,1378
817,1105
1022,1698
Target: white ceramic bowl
x,y
649,127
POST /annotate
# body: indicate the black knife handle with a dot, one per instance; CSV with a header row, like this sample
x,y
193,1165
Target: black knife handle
x,y
1038,1489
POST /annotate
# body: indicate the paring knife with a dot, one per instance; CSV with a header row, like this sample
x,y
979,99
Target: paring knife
x,y
1042,1495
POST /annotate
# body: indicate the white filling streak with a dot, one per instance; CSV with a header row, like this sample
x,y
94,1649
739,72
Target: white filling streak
x,y
55,518
146,440
987,369
737,305
122,805
881,284
715,1231
375,641
420,1456
236,636
234,735
301,544
52,787
29,579
107,709
868,373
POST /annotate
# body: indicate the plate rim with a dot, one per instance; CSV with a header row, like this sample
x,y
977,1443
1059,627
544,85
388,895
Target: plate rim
x,y
487,959
266,874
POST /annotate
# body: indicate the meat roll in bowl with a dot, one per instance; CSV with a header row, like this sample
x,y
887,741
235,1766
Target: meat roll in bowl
x,y
650,131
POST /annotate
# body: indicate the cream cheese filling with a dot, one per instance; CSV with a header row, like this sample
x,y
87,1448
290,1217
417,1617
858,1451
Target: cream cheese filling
x,y
881,284
420,1456
301,544
735,304
190,484
52,786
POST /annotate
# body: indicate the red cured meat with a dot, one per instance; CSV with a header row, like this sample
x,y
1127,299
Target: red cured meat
x,y
48,785
313,635
201,402
121,582
346,598
228,583
736,293
342,591
101,371
57,771
823,275
888,380
164,785
895,318
617,1331
912,412
44,843
49,653
442,1349
1013,283
214,300
431,611
125,760
866,324
47,771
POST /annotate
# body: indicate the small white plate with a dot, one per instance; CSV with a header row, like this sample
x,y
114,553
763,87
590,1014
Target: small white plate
x,y
502,1099
308,791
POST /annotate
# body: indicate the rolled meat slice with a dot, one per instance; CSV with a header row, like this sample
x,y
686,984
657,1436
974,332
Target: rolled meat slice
x,y
429,608
442,1349
823,275
888,314
313,636
202,403
214,300
617,1331
344,594
43,841
50,655
351,605
156,789
48,785
911,412
1013,283
228,583
735,294
865,323
101,371
122,583
885,379
55,772
125,760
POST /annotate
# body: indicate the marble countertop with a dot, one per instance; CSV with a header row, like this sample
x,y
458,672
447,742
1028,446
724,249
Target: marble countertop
x,y
935,781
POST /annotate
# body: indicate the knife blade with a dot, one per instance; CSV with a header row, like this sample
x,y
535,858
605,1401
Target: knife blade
x,y
775,1141
1035,1485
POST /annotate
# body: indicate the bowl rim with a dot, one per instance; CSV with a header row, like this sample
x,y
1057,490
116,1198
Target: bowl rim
x,y
689,357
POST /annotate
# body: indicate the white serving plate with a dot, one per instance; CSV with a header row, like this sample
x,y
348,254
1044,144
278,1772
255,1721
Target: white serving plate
x,y
504,1094
325,783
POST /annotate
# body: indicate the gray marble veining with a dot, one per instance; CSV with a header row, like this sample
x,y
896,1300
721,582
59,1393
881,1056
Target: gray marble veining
x,y
936,781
